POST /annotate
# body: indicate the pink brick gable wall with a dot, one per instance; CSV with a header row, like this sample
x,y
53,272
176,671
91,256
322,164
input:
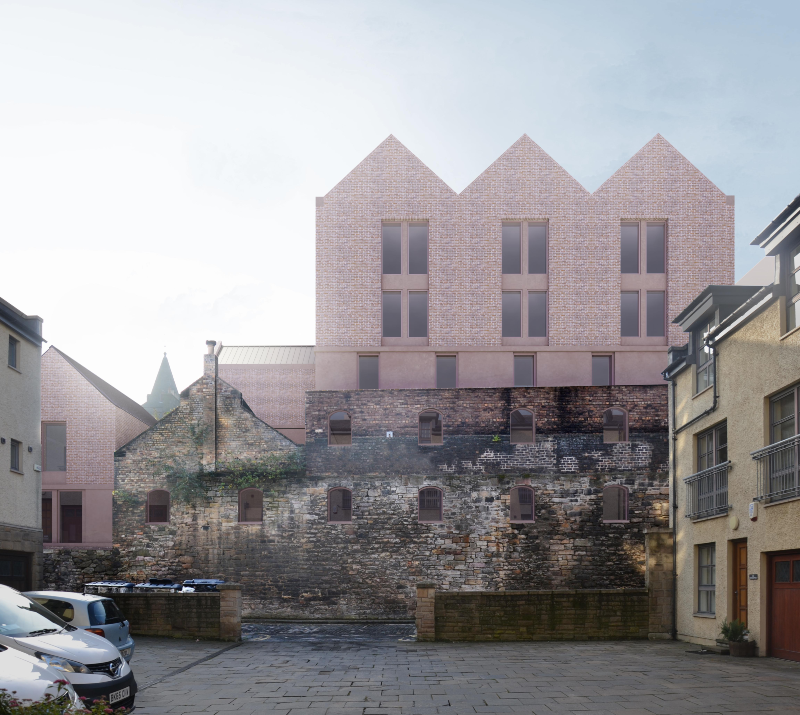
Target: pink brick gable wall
x,y
127,427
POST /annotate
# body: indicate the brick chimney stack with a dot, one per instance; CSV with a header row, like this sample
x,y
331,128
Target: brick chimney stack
x,y
209,451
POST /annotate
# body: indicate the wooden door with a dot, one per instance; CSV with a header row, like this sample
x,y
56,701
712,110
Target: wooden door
x,y
784,612
740,581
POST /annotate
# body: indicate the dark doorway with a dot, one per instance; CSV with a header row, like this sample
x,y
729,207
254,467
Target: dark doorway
x,y
740,581
71,517
15,570
784,611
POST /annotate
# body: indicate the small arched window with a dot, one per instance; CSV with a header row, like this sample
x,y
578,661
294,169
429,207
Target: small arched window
x,y
522,427
521,504
430,427
339,429
615,425
340,505
251,505
158,506
430,504
615,504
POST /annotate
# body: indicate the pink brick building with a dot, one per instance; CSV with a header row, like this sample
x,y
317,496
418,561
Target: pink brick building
x,y
524,278
84,420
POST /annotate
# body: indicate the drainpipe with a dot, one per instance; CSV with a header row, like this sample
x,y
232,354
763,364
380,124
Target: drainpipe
x,y
675,431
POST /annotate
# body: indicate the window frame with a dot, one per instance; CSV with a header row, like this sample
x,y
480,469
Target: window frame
x,y
419,428
533,426
15,344
519,488
791,300
626,503
630,224
409,293
391,224
440,520
610,358
706,367
242,511
358,367
169,507
454,357
16,466
508,225
714,433
532,358
384,294
794,390
45,465
663,311
664,253
707,588
528,294
336,412
328,502
625,428
638,313
518,294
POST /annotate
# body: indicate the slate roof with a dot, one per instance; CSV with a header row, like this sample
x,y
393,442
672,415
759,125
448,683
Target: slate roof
x,y
266,355
111,393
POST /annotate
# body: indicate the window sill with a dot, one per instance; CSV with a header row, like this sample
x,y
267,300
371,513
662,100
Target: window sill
x,y
520,521
711,516
781,501
704,615
15,369
783,337
703,391
617,521
246,523
156,523
334,523
16,471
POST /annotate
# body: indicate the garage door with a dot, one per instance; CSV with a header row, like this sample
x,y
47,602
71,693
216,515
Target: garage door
x,y
15,570
784,634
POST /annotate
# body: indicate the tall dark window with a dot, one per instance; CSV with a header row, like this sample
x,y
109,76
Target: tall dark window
x,y
13,352
615,425
430,504
705,356
521,505
629,314
537,248
158,506
601,370
417,248
793,290
71,505
712,447
55,447
47,517
512,248
340,505
615,503
430,427
368,372
417,314
656,248
655,314
783,416
251,505
445,371
523,371
537,314
522,427
392,248
340,429
392,311
629,245
16,456
512,314
706,578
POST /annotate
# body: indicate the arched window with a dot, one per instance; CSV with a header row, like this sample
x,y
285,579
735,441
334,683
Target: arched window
x,y
430,427
615,503
339,429
430,504
522,427
251,505
521,504
340,505
615,425
158,506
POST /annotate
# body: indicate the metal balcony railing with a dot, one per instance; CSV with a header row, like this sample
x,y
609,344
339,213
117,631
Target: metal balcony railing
x,y
777,470
707,492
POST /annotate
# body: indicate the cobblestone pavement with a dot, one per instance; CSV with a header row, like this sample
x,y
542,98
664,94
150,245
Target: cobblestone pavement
x,y
296,669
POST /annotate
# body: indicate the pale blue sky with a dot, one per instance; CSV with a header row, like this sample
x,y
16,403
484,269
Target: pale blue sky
x,y
160,159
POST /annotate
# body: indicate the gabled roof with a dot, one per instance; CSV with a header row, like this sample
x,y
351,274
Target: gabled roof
x,y
266,355
786,223
111,393
28,326
710,298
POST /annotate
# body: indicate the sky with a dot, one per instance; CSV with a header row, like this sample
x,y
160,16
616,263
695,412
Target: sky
x,y
159,160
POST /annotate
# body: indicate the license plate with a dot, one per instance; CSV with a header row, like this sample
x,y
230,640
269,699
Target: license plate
x,y
125,652
119,695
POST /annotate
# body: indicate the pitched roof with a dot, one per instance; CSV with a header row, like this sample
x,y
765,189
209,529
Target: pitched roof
x,y
111,393
266,355
165,382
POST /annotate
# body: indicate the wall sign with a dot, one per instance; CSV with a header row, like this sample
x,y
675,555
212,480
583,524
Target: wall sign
x,y
753,577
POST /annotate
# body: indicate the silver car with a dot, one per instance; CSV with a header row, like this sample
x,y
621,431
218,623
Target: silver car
x,y
96,614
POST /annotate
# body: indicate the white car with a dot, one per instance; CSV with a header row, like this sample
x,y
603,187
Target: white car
x,y
91,664
96,614
27,678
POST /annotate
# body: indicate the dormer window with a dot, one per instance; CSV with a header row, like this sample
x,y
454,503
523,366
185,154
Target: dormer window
x,y
793,290
705,355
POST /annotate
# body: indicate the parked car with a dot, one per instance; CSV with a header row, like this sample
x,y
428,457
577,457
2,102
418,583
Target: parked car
x,y
96,614
92,665
28,678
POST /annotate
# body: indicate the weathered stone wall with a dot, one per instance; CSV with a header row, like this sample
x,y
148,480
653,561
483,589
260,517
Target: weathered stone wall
x,y
70,569
588,614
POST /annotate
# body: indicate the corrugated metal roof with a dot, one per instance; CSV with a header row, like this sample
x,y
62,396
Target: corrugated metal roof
x,y
266,355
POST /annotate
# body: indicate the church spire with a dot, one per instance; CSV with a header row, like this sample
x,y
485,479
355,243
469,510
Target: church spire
x,y
164,397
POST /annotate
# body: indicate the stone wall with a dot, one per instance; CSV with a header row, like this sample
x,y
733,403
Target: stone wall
x,y
212,616
70,569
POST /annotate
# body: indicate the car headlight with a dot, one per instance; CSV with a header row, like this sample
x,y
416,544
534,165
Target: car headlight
x,y
63,664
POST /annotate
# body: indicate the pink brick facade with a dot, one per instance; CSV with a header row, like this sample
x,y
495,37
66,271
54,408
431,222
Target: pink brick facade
x,y
465,281
95,429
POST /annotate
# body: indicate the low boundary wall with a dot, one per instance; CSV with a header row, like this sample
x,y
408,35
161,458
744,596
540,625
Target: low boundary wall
x,y
212,616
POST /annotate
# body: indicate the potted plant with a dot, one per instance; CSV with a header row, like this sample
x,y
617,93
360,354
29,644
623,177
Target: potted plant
x,y
736,634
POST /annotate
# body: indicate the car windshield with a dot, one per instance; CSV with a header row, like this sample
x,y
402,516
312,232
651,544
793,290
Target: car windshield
x,y
104,612
20,617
